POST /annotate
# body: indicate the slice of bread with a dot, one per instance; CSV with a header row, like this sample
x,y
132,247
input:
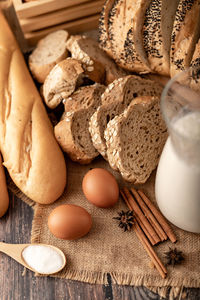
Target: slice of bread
x,y
184,35
158,24
135,139
95,60
125,32
72,131
48,52
115,99
62,81
104,40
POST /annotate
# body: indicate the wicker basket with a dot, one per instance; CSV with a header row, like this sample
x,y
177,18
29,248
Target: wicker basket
x,y
40,17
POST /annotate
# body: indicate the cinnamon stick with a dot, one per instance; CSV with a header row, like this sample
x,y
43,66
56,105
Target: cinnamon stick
x,y
150,216
138,220
156,261
143,221
159,217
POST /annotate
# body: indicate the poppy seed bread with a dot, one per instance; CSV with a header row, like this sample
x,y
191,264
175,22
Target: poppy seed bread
x,y
104,40
125,33
184,35
158,24
135,139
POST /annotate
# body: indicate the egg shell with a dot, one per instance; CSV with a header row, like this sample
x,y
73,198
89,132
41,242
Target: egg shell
x,y
100,188
69,222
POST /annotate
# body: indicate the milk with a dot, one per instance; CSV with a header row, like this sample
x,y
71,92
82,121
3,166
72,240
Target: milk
x,y
177,185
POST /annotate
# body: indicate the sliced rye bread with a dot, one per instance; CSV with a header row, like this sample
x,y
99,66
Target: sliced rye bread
x,y
72,131
158,24
104,41
135,139
95,59
115,99
185,34
125,32
49,51
62,81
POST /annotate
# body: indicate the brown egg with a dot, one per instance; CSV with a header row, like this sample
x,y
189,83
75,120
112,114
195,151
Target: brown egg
x,y
69,222
100,188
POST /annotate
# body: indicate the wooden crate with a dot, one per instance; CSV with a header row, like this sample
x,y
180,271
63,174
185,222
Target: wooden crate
x,y
40,17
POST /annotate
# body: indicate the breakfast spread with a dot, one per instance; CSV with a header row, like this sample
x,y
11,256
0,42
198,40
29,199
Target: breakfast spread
x,y
105,110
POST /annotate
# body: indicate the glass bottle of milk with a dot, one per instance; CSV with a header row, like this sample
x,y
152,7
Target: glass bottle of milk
x,y
177,184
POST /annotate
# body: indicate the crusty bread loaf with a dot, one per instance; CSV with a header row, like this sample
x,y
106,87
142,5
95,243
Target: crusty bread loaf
x,y
125,33
184,35
49,51
104,40
30,152
88,51
159,19
72,131
135,139
115,99
62,81
4,198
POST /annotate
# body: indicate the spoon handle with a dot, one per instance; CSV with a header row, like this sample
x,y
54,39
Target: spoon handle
x,y
13,250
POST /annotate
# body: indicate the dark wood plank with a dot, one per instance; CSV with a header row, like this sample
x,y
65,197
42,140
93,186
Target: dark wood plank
x,y
15,227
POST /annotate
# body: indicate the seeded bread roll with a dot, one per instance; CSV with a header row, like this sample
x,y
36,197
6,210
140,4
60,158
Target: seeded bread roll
x,y
184,35
94,59
62,81
4,198
30,151
115,99
159,19
104,39
125,32
135,139
48,52
72,131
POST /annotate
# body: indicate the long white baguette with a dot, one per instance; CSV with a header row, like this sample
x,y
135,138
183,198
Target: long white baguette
x,y
30,151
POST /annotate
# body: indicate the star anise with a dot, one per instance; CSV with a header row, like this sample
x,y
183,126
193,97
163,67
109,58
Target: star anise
x,y
174,257
126,219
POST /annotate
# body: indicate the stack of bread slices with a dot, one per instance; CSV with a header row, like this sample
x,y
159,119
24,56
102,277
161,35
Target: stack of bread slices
x,y
105,110
151,36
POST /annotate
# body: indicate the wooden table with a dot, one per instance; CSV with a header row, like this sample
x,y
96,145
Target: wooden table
x,y
17,283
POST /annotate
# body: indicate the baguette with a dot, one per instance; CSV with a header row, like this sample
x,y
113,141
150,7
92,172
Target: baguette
x,y
30,152
4,198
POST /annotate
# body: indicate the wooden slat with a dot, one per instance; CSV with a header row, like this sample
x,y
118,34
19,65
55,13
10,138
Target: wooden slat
x,y
61,16
73,27
35,8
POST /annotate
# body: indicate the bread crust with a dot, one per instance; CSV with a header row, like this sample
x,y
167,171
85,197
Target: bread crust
x,y
184,35
30,151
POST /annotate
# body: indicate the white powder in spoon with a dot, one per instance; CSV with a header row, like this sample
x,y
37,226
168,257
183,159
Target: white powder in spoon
x,y
43,259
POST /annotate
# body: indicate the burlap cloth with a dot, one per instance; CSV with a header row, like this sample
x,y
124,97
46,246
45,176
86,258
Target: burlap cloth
x,y
107,249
